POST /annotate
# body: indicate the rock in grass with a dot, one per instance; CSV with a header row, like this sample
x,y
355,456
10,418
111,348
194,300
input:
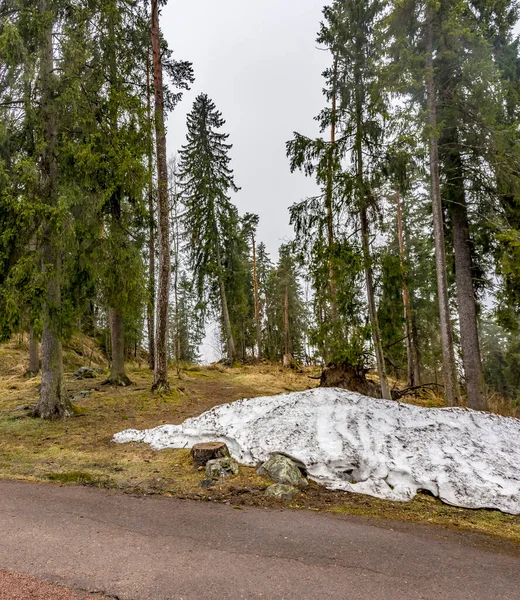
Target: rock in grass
x,y
84,373
222,467
279,491
205,484
82,394
283,470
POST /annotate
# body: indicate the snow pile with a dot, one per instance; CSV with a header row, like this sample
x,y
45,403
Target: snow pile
x,y
357,444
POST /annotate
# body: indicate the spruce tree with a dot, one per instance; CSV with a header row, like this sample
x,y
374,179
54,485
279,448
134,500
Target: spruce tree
x,y
211,220
358,110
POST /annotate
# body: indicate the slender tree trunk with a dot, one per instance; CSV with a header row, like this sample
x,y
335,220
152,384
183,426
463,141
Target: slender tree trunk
x,y
413,325
117,375
176,243
34,357
372,310
451,390
365,241
257,303
230,343
151,228
466,302
161,332
329,202
412,359
53,402
287,357
415,344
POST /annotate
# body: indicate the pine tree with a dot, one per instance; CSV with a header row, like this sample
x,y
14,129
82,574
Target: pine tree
x,y
163,291
211,220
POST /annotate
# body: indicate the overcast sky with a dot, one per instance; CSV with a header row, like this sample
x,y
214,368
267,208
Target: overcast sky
x,y
259,63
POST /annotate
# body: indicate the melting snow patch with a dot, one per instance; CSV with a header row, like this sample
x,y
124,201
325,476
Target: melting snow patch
x,y
381,448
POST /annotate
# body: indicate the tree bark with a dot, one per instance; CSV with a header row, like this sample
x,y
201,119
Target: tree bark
x,y
287,357
53,402
466,302
117,375
451,390
257,302
163,292
176,257
151,229
372,310
230,343
412,358
34,357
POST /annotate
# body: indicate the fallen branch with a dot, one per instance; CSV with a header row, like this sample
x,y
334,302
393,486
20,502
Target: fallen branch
x,y
401,393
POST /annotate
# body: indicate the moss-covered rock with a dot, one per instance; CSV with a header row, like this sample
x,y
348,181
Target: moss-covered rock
x,y
279,491
222,467
283,470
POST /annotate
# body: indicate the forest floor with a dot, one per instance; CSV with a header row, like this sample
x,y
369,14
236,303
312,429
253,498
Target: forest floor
x,y
79,450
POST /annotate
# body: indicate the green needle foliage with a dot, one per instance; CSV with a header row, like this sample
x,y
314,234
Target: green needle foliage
x,y
211,222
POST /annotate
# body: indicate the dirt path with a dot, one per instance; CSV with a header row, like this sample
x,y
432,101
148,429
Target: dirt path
x,y
159,548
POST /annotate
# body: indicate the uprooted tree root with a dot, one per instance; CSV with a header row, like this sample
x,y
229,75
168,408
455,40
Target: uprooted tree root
x,y
349,377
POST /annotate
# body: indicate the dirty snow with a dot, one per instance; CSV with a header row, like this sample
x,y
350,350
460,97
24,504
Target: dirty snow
x,y
381,448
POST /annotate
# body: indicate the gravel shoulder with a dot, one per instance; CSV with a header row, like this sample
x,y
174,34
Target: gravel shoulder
x,y
17,586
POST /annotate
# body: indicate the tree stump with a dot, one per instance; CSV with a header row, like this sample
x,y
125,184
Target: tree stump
x,y
202,453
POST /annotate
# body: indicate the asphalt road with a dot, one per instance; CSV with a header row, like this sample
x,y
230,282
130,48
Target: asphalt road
x,y
160,548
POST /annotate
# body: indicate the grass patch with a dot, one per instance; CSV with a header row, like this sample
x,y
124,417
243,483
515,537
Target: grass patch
x,y
77,477
79,451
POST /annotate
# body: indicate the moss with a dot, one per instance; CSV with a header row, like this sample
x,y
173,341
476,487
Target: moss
x,y
79,477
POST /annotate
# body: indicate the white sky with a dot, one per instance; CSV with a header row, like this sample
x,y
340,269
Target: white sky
x,y
259,63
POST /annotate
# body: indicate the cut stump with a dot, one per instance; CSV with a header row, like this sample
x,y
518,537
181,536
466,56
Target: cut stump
x,y
202,453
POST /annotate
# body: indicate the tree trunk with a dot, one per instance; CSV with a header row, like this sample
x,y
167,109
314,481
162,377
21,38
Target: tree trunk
x,y
161,332
372,310
329,202
34,358
450,376
230,344
466,302
257,303
53,402
365,238
176,245
412,359
117,375
151,229
287,357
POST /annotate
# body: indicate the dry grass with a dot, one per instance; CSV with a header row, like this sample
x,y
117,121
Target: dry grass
x,y
79,450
